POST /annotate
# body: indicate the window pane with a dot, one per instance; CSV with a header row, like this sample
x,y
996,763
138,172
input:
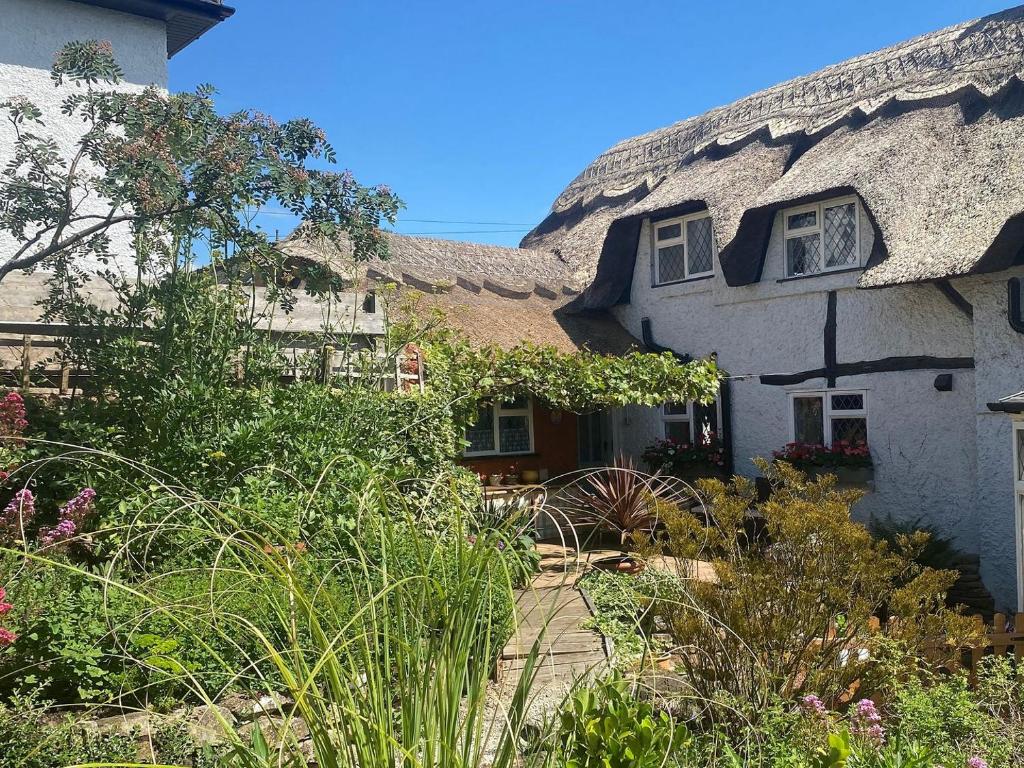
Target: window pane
x,y
803,255
841,235
670,264
808,420
705,419
802,220
850,430
853,402
698,243
514,434
672,230
678,431
676,409
1020,455
481,434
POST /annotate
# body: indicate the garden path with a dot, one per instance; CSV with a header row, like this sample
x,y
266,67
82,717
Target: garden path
x,y
552,608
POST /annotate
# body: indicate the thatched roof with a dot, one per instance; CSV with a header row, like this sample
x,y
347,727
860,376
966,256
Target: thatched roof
x,y
492,294
943,104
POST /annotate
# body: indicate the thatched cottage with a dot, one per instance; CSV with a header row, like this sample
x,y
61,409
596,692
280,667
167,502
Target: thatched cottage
x,y
849,243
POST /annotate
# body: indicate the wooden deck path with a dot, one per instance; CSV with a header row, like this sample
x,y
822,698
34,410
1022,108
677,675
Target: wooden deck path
x,y
552,608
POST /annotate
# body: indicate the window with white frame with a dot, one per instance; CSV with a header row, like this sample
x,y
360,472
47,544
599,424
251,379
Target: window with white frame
x,y
683,248
691,423
501,429
1018,499
826,418
822,237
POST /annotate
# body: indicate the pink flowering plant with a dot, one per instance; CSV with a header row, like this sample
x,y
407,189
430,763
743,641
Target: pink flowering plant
x,y
841,453
676,457
71,519
17,516
6,636
12,432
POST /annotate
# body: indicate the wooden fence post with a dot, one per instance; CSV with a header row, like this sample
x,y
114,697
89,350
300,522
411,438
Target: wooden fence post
x,y
1000,640
326,364
26,362
1018,629
977,650
65,374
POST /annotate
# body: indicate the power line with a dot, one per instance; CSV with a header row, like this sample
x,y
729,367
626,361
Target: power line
x,y
486,223
278,212
460,232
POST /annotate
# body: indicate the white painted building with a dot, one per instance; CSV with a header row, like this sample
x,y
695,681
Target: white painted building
x,y
846,244
143,33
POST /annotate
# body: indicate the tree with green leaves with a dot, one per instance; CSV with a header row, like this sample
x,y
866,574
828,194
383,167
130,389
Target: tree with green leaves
x,y
170,170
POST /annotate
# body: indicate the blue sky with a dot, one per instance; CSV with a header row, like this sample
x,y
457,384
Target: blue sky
x,y
483,111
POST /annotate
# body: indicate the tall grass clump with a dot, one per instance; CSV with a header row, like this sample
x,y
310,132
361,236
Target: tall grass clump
x,y
382,655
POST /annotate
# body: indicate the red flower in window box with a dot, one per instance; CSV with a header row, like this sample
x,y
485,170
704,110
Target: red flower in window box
x,y
841,453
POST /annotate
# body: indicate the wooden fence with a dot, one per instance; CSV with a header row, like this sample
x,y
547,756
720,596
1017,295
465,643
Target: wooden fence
x,y
31,359
998,639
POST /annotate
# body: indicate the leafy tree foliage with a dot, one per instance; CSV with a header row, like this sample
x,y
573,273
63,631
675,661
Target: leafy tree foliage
x,y
172,171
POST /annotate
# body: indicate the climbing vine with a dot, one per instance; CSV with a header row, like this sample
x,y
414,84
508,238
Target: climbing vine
x,y
577,382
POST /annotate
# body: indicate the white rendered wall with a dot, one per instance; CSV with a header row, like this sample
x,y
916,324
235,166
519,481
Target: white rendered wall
x,y
921,440
999,360
32,31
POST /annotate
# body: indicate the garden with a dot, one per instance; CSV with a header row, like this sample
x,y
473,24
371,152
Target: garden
x,y
206,562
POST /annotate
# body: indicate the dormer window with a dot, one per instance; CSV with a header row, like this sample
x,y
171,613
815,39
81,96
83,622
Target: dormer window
x,y
684,248
822,237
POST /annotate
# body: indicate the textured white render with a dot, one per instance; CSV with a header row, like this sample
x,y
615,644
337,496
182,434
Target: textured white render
x,y
32,31
921,440
999,357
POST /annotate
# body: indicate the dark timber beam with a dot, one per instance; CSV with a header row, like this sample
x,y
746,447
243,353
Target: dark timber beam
x,y
955,297
884,365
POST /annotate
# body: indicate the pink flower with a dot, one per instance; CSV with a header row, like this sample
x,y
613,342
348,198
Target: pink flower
x,y
80,507
976,762
812,705
18,513
72,517
63,531
867,722
6,637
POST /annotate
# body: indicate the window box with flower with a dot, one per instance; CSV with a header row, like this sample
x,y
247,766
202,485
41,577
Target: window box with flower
x,y
686,460
849,461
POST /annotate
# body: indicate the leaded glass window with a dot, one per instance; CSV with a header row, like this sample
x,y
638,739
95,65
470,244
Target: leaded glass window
x,y
671,263
1019,433
821,237
480,436
808,420
826,418
699,246
841,235
684,248
676,422
501,428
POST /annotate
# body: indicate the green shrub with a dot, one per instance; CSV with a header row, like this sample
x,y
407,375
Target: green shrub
x,y
623,608
607,726
65,644
945,716
30,738
791,611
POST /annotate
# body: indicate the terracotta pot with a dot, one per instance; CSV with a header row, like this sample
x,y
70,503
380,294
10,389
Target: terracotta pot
x,y
495,479
620,563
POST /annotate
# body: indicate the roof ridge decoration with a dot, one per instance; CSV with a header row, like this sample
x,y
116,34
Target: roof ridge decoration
x,y
984,55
